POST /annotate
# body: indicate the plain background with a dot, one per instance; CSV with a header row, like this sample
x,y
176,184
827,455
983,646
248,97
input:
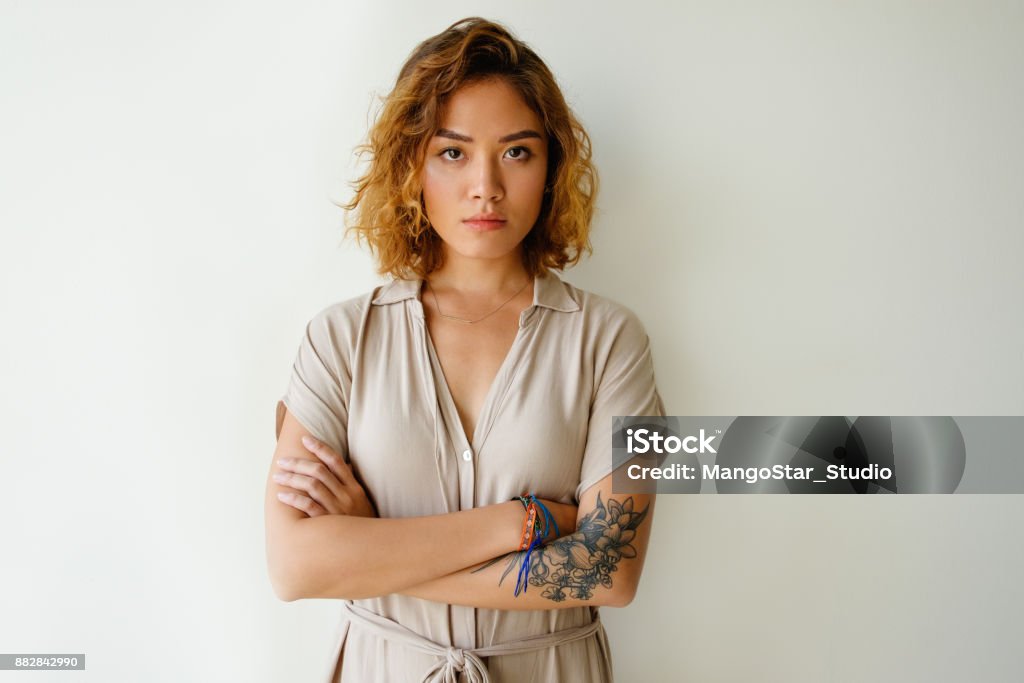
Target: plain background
x,y
815,209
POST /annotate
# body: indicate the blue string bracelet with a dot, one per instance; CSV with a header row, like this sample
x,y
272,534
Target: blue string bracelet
x,y
536,533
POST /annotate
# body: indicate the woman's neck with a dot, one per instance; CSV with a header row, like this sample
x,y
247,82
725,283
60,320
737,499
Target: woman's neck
x,y
476,276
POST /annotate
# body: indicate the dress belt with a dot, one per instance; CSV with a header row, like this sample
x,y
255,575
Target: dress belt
x,y
453,660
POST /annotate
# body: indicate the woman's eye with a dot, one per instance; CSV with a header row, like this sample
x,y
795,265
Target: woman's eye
x,y
451,153
518,153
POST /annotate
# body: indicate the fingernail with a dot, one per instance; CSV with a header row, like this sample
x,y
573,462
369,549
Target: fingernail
x,y
309,441
284,461
282,496
278,477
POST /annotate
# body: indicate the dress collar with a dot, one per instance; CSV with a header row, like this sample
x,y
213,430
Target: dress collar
x,y
548,291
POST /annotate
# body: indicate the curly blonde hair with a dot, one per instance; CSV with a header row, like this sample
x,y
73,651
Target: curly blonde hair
x,y
387,208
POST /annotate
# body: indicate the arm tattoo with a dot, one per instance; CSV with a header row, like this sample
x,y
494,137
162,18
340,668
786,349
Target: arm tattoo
x,y
572,566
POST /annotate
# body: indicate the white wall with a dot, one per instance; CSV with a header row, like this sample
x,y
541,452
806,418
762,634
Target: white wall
x,y
815,209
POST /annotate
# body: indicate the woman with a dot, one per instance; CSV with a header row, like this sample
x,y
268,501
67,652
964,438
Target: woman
x,y
417,413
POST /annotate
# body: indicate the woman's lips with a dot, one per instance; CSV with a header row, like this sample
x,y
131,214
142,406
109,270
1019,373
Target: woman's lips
x,y
484,224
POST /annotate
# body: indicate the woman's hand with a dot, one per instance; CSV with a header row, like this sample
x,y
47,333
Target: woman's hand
x,y
327,487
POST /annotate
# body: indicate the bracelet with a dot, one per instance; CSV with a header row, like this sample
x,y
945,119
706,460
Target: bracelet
x,y
532,534
535,510
529,526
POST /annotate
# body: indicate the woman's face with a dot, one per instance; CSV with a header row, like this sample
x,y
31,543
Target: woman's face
x,y
484,172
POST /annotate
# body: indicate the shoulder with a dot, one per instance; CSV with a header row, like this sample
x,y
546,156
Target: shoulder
x,y
335,329
340,315
605,315
340,324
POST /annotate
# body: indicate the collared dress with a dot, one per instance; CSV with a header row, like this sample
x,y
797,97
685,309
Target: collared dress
x,y
367,382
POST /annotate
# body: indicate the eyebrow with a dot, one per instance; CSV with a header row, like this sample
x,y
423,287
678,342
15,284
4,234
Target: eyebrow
x,y
521,135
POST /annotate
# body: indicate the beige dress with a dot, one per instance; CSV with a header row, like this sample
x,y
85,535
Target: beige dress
x,y
367,382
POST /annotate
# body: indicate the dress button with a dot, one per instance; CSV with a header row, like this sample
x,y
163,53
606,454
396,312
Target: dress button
x,y
467,455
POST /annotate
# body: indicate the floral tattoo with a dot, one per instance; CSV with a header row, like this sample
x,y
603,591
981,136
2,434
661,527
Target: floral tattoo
x,y
572,566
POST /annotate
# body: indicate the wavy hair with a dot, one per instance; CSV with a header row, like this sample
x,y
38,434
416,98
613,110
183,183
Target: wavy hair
x,y
387,208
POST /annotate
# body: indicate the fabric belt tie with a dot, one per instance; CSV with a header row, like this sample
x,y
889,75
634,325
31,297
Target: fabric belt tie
x,y
453,660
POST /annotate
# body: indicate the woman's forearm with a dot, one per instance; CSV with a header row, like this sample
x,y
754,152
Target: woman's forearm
x,y
340,556
561,576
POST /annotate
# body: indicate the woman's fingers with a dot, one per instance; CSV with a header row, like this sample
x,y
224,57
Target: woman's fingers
x,y
328,481
334,462
301,503
315,480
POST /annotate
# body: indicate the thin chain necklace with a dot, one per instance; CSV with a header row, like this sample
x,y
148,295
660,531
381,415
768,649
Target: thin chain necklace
x,y
470,322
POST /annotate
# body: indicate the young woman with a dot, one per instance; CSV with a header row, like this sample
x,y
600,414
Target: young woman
x,y
418,413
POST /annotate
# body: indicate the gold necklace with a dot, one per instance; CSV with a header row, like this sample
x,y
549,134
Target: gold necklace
x,y
470,322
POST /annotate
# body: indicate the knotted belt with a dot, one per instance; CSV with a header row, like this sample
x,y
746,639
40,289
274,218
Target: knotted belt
x,y
453,660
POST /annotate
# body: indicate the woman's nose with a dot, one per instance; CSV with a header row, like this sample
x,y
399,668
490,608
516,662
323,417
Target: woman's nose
x,y
487,182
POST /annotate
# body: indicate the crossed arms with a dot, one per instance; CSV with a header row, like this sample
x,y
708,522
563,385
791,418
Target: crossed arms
x,y
457,558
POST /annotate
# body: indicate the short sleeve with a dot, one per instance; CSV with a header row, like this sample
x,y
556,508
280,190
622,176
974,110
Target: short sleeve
x,y
625,386
317,393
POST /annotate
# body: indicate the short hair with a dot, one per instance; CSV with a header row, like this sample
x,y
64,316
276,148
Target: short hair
x,y
387,209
